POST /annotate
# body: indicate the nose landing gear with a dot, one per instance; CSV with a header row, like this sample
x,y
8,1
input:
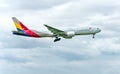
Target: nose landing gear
x,y
93,36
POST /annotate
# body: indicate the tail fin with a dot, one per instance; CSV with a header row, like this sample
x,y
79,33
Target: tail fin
x,y
20,27
23,30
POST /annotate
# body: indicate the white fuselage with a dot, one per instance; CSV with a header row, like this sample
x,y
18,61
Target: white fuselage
x,y
85,31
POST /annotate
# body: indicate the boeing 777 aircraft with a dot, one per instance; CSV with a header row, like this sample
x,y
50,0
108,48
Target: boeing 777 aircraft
x,y
22,30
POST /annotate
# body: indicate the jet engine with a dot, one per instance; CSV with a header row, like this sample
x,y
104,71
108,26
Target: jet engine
x,y
70,33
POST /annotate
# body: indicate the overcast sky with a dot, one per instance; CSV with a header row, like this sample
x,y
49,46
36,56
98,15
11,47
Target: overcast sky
x,y
80,55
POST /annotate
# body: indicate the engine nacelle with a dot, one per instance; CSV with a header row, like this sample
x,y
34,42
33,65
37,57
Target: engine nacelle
x,y
70,33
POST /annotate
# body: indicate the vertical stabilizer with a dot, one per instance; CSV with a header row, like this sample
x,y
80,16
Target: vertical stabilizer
x,y
20,27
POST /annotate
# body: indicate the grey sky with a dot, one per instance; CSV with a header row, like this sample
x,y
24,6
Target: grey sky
x,y
23,55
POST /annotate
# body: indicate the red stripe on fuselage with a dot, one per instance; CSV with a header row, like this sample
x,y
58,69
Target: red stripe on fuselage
x,y
27,31
31,33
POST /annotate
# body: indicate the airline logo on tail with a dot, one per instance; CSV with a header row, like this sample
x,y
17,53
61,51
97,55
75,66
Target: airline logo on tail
x,y
23,30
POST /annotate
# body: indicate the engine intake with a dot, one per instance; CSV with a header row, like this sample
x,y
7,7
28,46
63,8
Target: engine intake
x,y
70,33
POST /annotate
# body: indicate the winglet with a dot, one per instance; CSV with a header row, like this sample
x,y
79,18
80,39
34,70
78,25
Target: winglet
x,y
47,26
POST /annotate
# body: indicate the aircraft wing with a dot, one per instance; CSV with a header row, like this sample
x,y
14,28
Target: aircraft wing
x,y
55,31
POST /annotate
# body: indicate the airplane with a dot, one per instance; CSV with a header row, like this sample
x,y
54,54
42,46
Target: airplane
x,y
22,30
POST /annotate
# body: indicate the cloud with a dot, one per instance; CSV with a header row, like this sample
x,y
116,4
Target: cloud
x,y
31,5
81,54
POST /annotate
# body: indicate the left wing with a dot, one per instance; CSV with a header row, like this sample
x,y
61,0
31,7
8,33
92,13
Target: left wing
x,y
56,31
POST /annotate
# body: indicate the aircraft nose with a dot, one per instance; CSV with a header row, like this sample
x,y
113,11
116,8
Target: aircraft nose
x,y
99,30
